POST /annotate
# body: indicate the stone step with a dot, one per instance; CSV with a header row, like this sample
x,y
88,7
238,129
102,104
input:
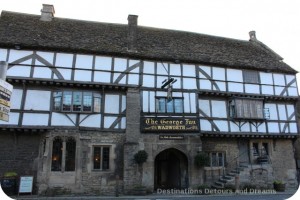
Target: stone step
x,y
219,183
214,186
223,180
228,177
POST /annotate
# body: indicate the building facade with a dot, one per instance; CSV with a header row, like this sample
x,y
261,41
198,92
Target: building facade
x,y
88,96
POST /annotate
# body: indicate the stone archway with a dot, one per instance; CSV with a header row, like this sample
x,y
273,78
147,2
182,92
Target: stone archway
x,y
171,170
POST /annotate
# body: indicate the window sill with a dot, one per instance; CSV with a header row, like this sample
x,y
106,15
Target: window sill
x,y
101,171
248,119
76,112
213,168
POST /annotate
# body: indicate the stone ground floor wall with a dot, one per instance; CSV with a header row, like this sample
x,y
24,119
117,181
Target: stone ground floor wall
x,y
19,152
189,146
283,162
281,165
85,179
31,154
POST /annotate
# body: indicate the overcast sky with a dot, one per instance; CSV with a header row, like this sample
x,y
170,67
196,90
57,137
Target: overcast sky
x,y
276,22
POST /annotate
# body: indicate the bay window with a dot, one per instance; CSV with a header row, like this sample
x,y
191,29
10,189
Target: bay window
x,y
76,101
243,108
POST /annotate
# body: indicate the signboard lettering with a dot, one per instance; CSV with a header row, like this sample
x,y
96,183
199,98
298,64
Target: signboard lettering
x,y
5,95
170,124
4,117
4,109
171,137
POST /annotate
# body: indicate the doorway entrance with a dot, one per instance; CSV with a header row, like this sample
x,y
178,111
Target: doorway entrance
x,y
171,170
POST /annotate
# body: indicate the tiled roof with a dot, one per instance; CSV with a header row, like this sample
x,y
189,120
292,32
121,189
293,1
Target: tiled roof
x,y
71,35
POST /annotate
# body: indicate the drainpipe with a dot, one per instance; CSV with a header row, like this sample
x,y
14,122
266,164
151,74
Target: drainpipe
x,y
3,70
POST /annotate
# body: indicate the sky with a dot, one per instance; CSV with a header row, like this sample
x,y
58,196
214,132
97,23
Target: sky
x,y
276,22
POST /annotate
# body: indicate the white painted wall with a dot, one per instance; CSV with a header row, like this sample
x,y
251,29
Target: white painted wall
x,y
16,98
92,121
60,119
35,119
112,104
37,100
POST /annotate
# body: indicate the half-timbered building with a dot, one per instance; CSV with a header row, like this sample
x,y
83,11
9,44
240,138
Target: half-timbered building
x,y
88,95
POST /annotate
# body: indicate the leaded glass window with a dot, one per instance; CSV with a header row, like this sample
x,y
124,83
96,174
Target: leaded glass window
x,y
101,157
165,105
246,108
70,154
57,154
76,101
63,154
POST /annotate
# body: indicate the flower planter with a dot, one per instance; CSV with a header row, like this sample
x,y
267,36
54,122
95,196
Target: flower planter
x,y
279,187
9,185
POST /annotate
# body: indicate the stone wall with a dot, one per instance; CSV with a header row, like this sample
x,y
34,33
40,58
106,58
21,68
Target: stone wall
x,y
144,175
19,152
283,162
281,166
84,179
189,146
227,145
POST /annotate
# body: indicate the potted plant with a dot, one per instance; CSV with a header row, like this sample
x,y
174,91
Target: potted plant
x,y
202,189
9,183
201,159
140,157
279,186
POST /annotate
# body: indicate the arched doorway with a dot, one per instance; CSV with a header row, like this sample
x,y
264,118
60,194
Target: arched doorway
x,y
171,170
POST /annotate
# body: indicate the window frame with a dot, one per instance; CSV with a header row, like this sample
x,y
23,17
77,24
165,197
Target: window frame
x,y
95,99
218,159
260,148
248,77
101,162
166,104
62,159
246,109
57,155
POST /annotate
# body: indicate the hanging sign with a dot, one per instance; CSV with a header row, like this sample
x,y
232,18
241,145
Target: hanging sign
x,y
5,95
169,124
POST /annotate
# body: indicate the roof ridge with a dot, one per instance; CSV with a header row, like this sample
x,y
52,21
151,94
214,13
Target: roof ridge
x,y
75,35
266,49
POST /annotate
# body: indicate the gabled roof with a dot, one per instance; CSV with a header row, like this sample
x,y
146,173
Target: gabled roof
x,y
71,35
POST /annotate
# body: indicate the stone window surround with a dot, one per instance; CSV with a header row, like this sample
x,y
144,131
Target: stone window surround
x,y
112,157
64,140
47,147
260,144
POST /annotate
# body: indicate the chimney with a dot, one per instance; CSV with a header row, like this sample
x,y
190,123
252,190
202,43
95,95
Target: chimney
x,y
47,12
252,36
132,32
